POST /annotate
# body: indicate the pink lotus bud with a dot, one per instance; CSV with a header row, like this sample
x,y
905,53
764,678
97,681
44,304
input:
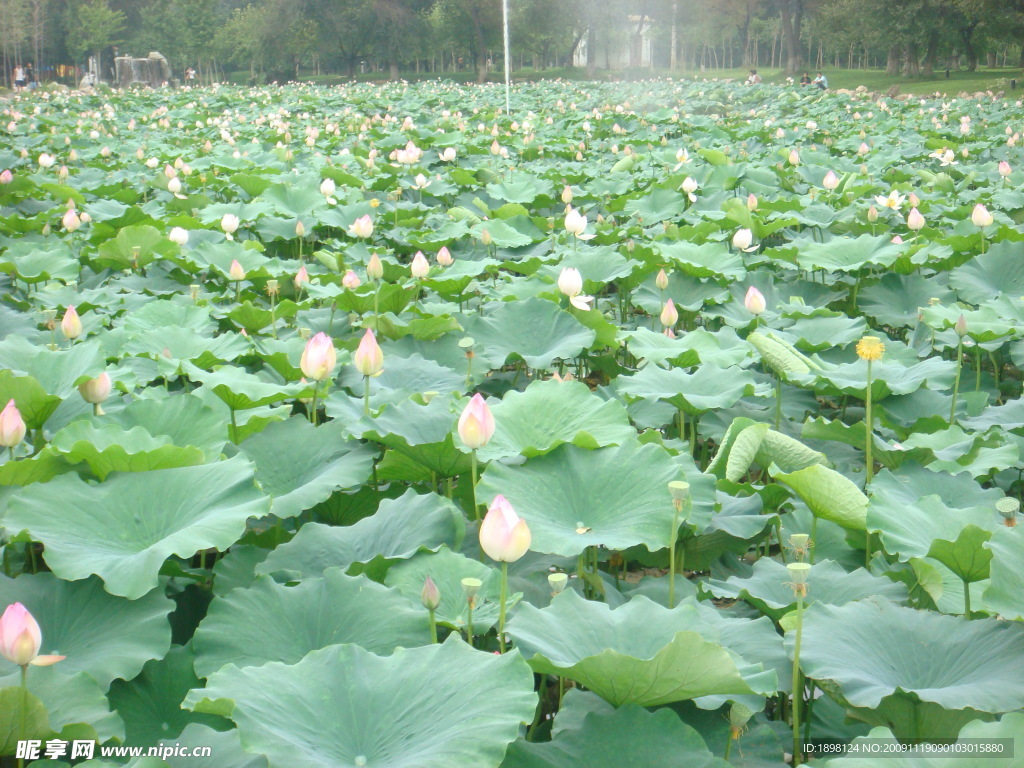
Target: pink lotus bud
x,y
914,200
178,235
229,223
6,177
96,390
485,238
661,281
236,272
570,282
374,268
419,267
960,326
751,202
301,278
318,358
981,217
361,227
863,149
504,536
300,229
1004,170
669,314
830,182
794,157
71,221
897,240
70,324
351,280
21,638
444,257
368,359
915,220
495,147
872,214
476,424
431,595
567,195
754,301
12,426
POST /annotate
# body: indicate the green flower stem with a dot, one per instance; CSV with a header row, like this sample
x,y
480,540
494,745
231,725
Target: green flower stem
x,y
977,367
956,381
237,289
469,623
312,410
501,606
433,627
797,682
273,317
778,402
366,396
673,539
376,301
869,432
476,509
967,599
234,428
728,746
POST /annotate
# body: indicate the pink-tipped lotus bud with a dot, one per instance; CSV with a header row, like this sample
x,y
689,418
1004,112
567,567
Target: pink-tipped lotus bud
x,y
915,220
301,278
351,280
368,359
669,314
95,391
960,326
872,214
752,202
419,267
431,595
830,182
12,426
476,424
71,324
236,272
567,194
485,238
914,200
897,240
21,638
754,301
1004,169
374,268
794,157
981,216
661,281
504,536
444,257
71,221
318,358
6,177
300,229
361,227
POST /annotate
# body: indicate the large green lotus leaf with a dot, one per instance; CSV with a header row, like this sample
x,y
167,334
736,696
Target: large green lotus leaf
x,y
399,529
598,265
150,704
954,451
888,377
22,716
830,495
657,205
639,653
523,188
574,498
549,413
169,346
184,419
124,529
319,462
448,569
35,262
714,260
655,739
990,275
534,329
272,622
59,372
108,448
1005,594
708,387
74,702
81,621
1008,731
875,650
895,300
767,586
814,334
225,749
722,348
134,247
293,201
431,707
161,315
402,377
848,254
34,403
241,390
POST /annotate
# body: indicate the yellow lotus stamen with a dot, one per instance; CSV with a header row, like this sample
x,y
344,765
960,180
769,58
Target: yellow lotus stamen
x,y
870,348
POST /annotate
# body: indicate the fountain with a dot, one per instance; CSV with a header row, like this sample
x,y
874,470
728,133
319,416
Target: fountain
x,y
152,71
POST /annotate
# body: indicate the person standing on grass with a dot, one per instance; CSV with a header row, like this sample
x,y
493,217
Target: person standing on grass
x,y
821,81
19,79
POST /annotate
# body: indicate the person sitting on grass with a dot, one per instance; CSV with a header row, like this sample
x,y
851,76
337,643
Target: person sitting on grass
x,y
754,78
805,79
821,81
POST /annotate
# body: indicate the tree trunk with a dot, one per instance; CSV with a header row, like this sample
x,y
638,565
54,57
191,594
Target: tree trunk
x,y
992,60
911,64
792,14
967,38
892,65
591,49
393,68
931,54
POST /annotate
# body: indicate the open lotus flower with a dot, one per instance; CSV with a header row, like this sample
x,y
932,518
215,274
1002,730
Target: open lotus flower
x,y
12,426
476,424
689,186
570,282
21,638
576,224
368,359
361,227
504,536
894,200
318,358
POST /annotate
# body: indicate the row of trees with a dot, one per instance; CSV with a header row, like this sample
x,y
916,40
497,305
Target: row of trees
x,y
277,38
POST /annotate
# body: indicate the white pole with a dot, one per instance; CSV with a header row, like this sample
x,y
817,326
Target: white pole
x,y
504,10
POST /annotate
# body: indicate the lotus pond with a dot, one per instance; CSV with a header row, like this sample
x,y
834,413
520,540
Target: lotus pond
x,y
733,373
